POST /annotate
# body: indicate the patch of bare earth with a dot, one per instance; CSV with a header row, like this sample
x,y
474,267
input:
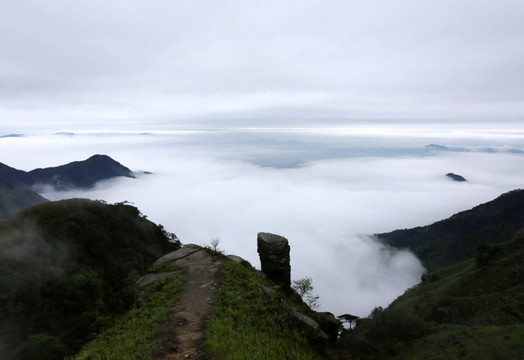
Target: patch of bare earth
x,y
182,337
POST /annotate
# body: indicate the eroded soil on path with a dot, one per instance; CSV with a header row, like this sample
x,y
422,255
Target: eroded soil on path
x,y
183,335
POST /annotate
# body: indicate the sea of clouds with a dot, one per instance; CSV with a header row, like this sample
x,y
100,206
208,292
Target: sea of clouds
x,y
326,193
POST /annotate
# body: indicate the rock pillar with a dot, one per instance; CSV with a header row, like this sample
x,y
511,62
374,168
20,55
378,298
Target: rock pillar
x,y
274,258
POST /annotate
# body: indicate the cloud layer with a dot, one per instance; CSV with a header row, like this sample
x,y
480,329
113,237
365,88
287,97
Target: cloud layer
x,y
208,185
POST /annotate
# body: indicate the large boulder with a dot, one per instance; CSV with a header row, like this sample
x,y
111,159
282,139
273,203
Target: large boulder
x,y
274,258
310,327
329,324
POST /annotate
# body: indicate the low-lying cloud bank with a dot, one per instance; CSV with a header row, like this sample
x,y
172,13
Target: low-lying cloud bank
x,y
205,186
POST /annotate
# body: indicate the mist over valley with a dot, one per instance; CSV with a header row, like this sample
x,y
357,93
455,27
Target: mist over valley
x,y
327,194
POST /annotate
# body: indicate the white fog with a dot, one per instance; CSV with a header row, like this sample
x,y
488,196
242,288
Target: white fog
x,y
324,193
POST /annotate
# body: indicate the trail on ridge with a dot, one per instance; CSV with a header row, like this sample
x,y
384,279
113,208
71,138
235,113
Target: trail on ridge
x,y
183,334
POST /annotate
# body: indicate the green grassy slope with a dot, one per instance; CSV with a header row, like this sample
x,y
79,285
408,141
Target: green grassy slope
x,y
489,342
248,323
132,337
67,268
472,293
458,312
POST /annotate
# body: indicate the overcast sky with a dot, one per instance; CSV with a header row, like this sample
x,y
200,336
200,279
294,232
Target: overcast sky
x,y
162,64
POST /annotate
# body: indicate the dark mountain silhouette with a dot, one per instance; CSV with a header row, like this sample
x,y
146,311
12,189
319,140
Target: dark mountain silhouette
x,y
78,174
9,175
15,198
456,239
455,177
67,269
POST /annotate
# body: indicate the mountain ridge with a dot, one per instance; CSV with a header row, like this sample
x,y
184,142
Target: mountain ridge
x,y
76,174
470,310
458,237
67,269
14,198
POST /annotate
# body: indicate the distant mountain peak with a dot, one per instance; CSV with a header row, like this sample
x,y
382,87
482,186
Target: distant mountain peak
x,y
11,135
77,174
455,177
100,157
80,174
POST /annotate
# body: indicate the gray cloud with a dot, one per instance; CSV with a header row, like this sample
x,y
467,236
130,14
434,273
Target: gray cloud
x,y
25,245
172,62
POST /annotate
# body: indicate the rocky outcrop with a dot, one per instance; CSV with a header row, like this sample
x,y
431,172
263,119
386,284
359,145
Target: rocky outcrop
x,y
310,327
318,330
274,259
240,260
329,324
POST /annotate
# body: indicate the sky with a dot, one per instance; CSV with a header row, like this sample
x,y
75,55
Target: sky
x,y
309,119
179,64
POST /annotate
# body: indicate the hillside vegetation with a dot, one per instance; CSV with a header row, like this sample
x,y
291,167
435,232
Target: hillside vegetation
x,y
457,239
135,335
249,323
471,310
67,268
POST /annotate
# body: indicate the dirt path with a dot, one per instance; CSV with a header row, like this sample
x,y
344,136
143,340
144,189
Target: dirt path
x,y
183,335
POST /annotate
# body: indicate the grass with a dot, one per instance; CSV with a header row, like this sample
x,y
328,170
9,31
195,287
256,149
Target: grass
x,y
469,343
468,295
469,310
435,289
133,336
247,323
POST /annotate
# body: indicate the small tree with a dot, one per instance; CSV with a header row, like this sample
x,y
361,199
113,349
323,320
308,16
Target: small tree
x,y
349,319
213,245
304,288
